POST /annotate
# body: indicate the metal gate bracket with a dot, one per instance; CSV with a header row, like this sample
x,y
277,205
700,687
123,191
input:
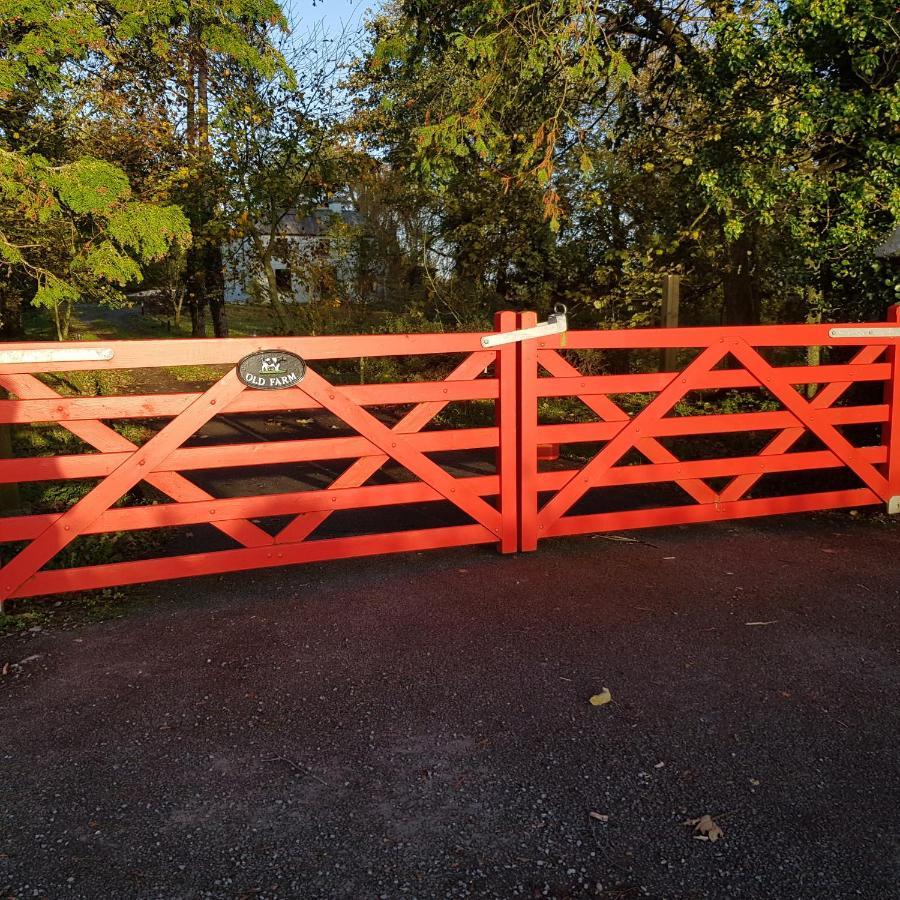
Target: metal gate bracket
x,y
556,324
878,332
54,355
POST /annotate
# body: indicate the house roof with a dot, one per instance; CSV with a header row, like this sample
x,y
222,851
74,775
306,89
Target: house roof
x,y
314,225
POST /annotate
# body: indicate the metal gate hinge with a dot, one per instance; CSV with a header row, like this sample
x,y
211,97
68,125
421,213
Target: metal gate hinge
x,y
556,324
888,331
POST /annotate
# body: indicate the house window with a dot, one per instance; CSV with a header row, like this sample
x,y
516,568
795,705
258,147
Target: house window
x,y
283,280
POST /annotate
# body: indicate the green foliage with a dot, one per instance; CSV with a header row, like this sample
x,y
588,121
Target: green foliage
x,y
147,229
86,136
88,186
75,230
110,264
750,147
52,292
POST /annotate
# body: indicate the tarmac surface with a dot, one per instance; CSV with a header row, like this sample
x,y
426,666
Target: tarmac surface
x,y
419,726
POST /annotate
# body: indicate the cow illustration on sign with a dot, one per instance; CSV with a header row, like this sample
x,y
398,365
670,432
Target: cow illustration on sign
x,y
270,365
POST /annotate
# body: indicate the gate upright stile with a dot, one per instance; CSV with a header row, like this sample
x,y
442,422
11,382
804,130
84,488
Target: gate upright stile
x,y
531,503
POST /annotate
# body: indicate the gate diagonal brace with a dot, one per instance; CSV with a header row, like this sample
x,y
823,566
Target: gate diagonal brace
x,y
360,471
784,440
629,434
107,440
612,412
396,446
72,523
776,382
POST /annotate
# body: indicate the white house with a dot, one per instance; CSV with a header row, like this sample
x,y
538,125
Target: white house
x,y
307,238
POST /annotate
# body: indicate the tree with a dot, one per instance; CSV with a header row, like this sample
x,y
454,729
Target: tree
x,y
83,213
210,49
282,153
71,225
745,144
76,231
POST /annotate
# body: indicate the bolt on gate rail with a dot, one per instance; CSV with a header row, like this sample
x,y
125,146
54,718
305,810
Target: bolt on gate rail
x,y
624,433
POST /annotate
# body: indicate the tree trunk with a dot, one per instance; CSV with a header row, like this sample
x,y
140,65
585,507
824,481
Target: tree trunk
x,y
193,279
740,301
211,258
502,281
66,320
274,295
215,288
195,286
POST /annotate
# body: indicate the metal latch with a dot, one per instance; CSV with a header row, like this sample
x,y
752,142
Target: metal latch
x,y
556,324
887,332
53,355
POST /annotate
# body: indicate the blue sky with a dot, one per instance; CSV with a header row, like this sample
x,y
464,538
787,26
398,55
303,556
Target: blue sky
x,y
333,14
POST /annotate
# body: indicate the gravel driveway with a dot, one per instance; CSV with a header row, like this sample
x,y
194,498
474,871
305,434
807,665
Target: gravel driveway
x,y
419,726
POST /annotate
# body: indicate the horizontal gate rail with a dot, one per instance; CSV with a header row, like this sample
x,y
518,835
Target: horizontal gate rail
x,y
225,352
148,406
725,378
220,456
699,337
163,459
727,358
712,423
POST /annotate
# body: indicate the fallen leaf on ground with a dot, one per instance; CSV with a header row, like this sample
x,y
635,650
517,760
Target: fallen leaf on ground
x,y
602,698
706,829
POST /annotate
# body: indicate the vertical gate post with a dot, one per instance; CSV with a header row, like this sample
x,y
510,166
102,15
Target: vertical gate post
x,y
671,300
892,427
506,372
528,443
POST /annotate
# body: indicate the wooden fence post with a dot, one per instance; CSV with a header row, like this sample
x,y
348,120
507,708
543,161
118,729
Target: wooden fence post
x,y
671,300
527,426
506,372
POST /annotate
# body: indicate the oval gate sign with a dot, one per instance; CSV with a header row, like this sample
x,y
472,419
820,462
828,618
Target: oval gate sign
x,y
271,370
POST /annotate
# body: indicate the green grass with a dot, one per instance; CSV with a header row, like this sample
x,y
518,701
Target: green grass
x,y
195,374
74,610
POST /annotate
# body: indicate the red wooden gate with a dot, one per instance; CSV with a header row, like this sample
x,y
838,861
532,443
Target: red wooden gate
x,y
512,501
636,447
161,461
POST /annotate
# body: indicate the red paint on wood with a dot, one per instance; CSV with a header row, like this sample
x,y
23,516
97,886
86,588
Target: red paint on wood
x,y
891,432
516,386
